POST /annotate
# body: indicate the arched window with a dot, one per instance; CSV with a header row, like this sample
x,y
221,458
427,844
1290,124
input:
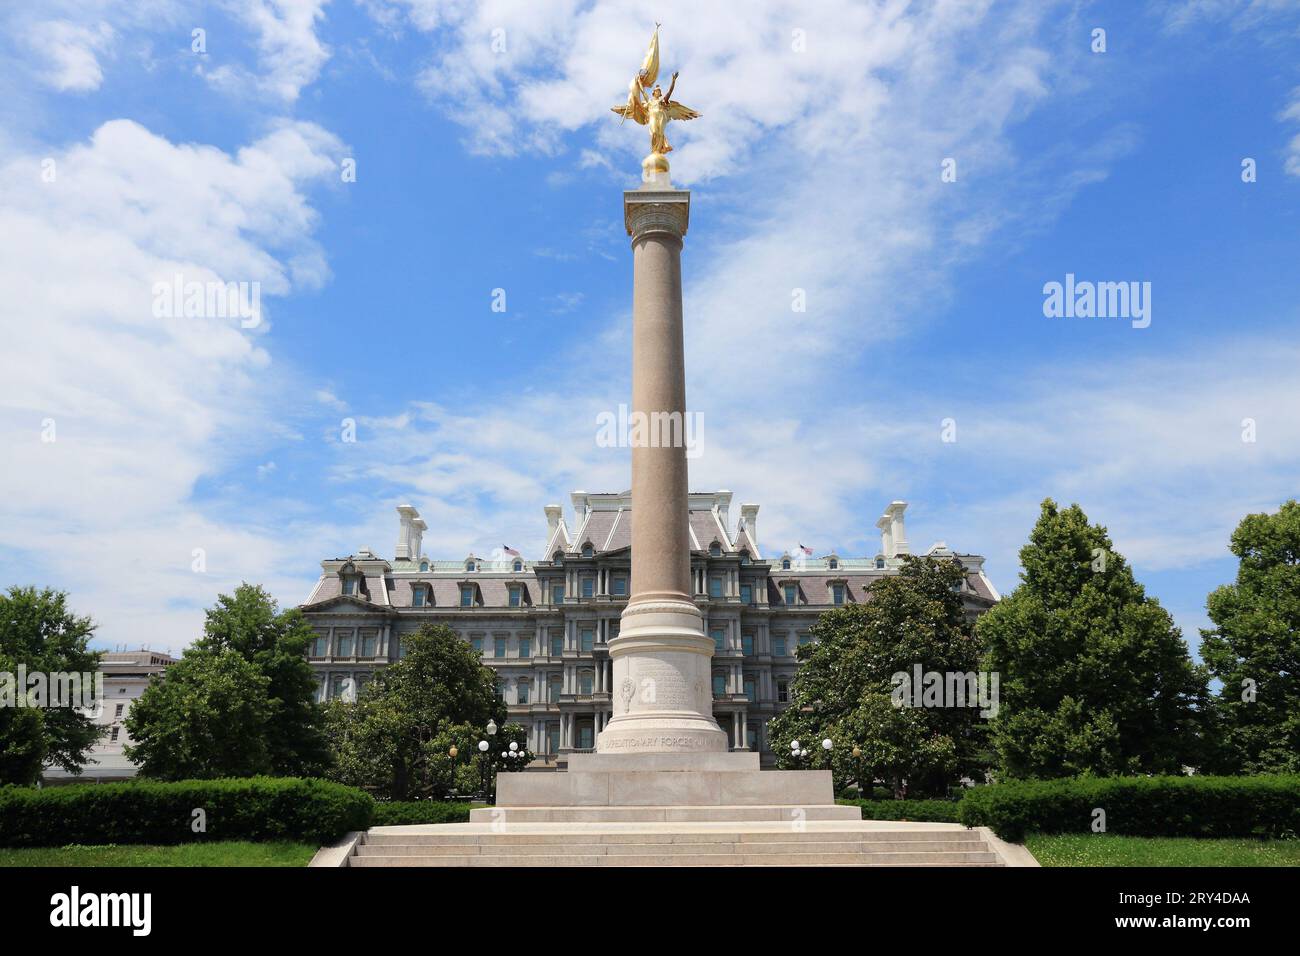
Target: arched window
x,y
557,557
785,564
744,557
880,564
469,565
833,564
424,565
518,566
587,550
715,550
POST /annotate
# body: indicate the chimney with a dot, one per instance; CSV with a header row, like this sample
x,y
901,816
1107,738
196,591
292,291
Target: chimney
x,y
897,533
408,537
553,513
886,542
418,527
749,520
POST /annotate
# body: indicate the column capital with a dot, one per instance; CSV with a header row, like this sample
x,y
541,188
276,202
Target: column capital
x,y
647,211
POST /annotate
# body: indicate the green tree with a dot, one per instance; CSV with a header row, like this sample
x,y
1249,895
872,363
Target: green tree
x,y
395,739
38,631
204,718
275,642
1095,677
844,689
1254,648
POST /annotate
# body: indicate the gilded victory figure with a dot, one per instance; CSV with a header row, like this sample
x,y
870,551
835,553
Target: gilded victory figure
x,y
654,110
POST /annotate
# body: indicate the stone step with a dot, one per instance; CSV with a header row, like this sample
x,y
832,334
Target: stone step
x,y
900,859
671,849
650,814
452,838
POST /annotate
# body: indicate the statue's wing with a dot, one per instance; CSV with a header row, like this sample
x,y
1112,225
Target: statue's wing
x,y
678,112
634,109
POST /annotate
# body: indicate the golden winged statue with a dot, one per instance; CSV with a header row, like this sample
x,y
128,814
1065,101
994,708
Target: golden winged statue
x,y
655,110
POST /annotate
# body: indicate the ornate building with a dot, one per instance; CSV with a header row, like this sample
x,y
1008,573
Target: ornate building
x,y
544,626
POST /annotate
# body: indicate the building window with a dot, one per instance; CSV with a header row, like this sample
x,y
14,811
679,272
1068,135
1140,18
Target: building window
x,y
521,692
746,594
747,644
417,597
556,688
613,629
833,564
719,685
477,644
525,647
785,564
516,596
719,639
349,585
588,587
369,644
344,648
318,645
744,557
783,692
778,647
619,585
585,733
470,565
113,735
587,636
518,566
402,648
751,692
837,594
336,687
715,550
557,644
557,593
467,595
880,564
715,587
118,711
587,550
751,736
584,683
424,565
553,738
804,639
791,594
499,647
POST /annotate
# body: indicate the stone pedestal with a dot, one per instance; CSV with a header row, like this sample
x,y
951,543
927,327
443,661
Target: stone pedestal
x,y
662,691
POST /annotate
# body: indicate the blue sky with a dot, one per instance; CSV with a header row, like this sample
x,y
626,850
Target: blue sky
x,y
480,169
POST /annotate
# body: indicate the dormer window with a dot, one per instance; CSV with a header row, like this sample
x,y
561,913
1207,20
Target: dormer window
x,y
785,564
837,593
557,557
791,592
518,566
420,596
349,585
588,550
424,565
744,557
471,565
880,564
467,595
516,595
833,564
715,550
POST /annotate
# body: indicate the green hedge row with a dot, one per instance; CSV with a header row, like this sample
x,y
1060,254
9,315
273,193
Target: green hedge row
x,y
420,811
929,811
256,808
1262,806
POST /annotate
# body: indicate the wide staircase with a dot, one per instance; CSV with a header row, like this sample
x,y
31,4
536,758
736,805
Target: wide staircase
x,y
817,843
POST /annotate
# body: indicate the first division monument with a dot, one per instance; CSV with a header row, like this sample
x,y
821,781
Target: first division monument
x,y
661,658
662,756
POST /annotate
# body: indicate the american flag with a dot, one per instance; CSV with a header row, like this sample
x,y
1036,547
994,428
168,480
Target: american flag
x,y
510,551
807,551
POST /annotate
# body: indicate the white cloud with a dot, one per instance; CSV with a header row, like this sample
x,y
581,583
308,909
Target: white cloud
x,y
143,407
70,52
289,52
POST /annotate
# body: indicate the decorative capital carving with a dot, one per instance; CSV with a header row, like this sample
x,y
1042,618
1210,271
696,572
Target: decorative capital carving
x,y
648,212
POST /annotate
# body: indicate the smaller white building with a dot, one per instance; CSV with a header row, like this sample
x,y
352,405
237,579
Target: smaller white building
x,y
126,675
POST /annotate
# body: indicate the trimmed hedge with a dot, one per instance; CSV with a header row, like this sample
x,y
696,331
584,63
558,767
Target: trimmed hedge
x,y
926,811
255,808
1261,806
398,813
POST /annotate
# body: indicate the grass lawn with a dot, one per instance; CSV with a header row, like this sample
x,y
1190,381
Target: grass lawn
x,y
217,853
1104,849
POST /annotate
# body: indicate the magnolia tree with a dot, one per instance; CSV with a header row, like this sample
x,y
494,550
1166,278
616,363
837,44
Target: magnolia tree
x,y
853,688
1254,648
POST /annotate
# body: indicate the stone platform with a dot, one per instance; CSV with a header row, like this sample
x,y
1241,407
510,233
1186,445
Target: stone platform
x,y
662,788
826,843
